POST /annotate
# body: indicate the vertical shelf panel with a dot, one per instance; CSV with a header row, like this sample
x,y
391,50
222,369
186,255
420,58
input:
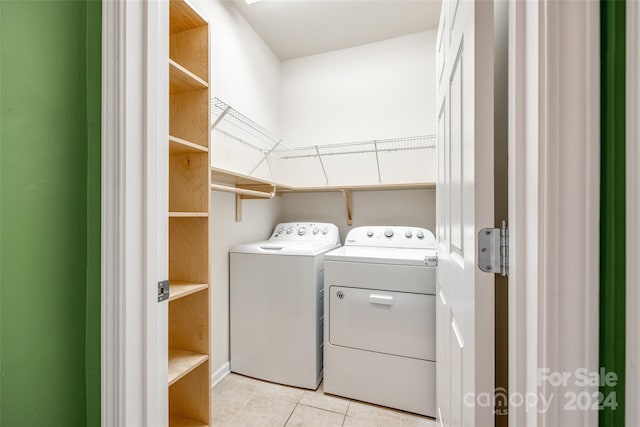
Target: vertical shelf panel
x,y
188,187
187,404
183,17
189,249
188,116
189,49
188,323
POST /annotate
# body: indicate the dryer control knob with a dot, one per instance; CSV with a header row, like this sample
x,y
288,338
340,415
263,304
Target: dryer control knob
x,y
369,233
420,235
388,232
302,231
280,230
316,230
289,230
408,234
325,231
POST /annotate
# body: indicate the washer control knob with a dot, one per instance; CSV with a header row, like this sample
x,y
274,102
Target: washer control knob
x,y
289,230
388,232
302,231
420,235
325,231
316,230
280,230
408,234
369,233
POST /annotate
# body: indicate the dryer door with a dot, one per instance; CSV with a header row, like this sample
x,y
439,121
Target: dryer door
x,y
397,323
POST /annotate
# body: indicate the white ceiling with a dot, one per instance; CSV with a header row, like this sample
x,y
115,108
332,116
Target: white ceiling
x,y
295,28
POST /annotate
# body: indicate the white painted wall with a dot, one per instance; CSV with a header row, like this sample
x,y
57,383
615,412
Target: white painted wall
x,y
397,207
245,74
375,91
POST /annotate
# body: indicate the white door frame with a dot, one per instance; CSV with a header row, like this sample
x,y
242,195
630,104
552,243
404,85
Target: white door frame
x,y
134,212
554,174
633,215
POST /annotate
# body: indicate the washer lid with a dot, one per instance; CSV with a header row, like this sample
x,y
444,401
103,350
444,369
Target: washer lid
x,y
378,255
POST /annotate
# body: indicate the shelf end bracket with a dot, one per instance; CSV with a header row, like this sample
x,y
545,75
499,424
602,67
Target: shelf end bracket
x,y
348,201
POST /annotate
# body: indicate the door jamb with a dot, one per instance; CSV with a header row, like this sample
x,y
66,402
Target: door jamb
x,y
544,115
131,340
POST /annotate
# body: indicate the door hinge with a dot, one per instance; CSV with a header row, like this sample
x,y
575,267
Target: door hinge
x,y
493,250
163,290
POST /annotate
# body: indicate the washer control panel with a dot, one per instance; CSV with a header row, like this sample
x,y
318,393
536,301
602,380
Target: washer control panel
x,y
391,237
306,231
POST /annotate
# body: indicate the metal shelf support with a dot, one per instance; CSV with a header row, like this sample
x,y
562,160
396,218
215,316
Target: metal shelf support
x,y
324,171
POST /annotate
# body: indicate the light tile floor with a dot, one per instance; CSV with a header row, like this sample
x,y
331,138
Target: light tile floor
x,y
240,401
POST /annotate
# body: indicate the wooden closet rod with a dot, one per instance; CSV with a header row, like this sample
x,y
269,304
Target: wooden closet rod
x,y
244,191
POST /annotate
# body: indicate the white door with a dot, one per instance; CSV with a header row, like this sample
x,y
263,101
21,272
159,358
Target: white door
x,y
465,304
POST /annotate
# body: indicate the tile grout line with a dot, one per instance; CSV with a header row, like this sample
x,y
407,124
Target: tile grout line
x,y
308,405
346,412
289,417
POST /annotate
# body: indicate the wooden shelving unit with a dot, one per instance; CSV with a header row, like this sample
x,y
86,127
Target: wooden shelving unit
x,y
188,212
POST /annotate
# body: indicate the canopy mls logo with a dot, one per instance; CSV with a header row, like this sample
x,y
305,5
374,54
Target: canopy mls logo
x,y
500,401
554,381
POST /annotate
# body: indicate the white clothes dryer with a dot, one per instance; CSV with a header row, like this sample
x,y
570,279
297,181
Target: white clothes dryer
x,y
276,304
380,332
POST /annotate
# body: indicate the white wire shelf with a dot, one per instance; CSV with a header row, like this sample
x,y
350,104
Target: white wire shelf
x,y
230,121
230,124
373,146
236,135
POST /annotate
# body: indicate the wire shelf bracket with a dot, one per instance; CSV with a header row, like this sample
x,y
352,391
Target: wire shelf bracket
x,y
245,130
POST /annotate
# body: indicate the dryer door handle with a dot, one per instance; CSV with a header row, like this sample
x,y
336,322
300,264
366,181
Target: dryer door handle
x,y
381,299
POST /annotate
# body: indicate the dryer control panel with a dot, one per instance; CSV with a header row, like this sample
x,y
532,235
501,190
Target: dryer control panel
x,y
391,237
306,231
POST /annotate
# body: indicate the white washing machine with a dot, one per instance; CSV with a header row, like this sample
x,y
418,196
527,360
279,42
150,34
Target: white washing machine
x,y
380,319
276,304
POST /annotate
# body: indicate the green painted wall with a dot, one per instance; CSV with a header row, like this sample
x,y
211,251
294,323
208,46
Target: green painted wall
x,y
49,213
612,206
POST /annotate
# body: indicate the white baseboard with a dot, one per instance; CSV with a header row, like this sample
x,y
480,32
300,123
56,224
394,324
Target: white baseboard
x,y
220,373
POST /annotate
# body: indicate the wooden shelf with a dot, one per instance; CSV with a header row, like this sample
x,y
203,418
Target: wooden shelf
x,y
181,146
183,80
239,180
183,17
372,187
188,214
181,362
244,181
177,421
248,183
189,117
179,289
189,376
